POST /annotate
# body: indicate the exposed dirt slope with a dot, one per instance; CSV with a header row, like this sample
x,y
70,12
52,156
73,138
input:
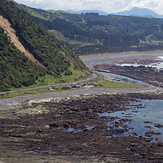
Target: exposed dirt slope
x,y
11,33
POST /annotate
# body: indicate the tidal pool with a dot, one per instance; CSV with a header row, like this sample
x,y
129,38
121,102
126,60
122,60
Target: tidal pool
x,y
146,122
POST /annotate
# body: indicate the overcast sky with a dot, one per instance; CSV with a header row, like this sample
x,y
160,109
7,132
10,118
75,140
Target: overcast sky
x,y
109,6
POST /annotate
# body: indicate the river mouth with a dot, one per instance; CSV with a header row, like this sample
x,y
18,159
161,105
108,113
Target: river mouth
x,y
145,121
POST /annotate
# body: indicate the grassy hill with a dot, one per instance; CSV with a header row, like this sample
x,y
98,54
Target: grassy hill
x,y
94,33
16,69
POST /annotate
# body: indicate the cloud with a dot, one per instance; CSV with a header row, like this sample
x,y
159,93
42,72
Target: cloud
x,y
154,5
104,5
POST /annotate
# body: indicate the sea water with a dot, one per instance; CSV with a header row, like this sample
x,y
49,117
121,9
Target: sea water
x,y
157,64
142,120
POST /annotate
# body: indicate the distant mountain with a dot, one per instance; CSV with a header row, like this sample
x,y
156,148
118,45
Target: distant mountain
x,y
139,12
88,11
70,11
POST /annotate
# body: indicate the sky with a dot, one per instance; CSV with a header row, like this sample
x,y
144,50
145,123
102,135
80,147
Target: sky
x,y
109,6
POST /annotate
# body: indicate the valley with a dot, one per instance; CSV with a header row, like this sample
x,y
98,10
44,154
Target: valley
x,y
101,107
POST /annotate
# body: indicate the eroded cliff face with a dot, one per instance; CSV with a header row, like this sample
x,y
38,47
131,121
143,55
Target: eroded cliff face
x,y
11,33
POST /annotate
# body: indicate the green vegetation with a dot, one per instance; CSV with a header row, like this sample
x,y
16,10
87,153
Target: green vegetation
x,y
48,50
93,33
101,83
48,80
30,92
16,70
15,94
109,84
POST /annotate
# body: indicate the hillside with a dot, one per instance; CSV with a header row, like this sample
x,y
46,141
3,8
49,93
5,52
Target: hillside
x,y
88,11
28,51
15,69
11,34
94,33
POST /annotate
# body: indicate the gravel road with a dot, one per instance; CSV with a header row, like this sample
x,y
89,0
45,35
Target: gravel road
x,y
15,101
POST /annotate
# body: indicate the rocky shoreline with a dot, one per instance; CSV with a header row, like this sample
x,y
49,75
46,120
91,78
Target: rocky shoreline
x,y
71,128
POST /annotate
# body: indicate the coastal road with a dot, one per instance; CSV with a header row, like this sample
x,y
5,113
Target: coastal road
x,y
14,102
93,76
90,61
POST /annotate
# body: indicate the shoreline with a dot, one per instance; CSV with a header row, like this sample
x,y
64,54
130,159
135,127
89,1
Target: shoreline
x,y
72,131
10,103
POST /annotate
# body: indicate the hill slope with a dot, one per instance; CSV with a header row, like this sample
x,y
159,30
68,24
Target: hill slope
x,y
28,50
15,69
93,33
11,33
88,11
